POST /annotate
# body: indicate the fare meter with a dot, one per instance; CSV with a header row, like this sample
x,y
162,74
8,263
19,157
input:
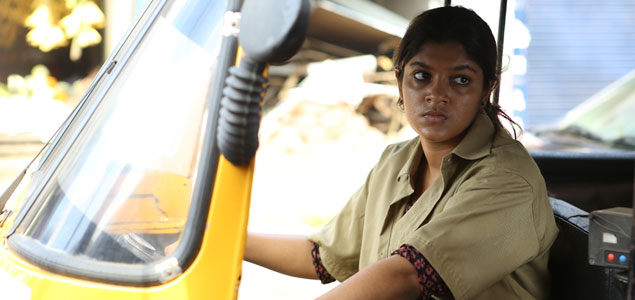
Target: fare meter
x,y
610,237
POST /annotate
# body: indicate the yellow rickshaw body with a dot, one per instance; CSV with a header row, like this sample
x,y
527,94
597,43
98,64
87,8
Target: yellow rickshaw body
x,y
214,273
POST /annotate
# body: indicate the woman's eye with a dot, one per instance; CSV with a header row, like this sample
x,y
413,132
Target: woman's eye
x,y
462,80
420,75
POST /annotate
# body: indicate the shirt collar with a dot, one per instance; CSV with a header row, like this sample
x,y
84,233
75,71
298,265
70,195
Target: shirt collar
x,y
416,155
477,143
407,171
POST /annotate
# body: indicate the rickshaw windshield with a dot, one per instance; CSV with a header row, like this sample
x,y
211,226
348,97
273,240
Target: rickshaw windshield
x,y
122,190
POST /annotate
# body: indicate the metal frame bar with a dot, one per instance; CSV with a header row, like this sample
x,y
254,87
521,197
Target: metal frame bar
x,y
502,15
630,295
195,227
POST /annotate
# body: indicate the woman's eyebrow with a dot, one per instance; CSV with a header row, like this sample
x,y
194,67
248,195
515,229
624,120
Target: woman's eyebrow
x,y
464,67
420,64
455,68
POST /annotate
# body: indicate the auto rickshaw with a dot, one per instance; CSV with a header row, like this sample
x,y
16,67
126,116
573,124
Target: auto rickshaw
x,y
143,193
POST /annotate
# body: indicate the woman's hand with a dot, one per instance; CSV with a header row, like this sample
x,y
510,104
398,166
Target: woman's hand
x,y
391,278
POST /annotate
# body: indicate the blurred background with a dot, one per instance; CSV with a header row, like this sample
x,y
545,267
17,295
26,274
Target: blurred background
x,y
330,110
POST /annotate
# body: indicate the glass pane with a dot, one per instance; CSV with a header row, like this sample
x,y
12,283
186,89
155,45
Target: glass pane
x,y
122,192
607,116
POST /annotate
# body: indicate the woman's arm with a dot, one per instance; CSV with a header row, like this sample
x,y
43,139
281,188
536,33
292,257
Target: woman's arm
x,y
391,278
290,255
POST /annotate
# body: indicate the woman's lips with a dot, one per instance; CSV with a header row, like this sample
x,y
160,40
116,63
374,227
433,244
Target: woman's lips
x,y
435,116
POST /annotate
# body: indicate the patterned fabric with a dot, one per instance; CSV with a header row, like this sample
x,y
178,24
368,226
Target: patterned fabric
x,y
321,271
430,283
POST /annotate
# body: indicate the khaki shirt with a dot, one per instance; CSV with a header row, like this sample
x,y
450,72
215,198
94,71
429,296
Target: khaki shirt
x,y
485,224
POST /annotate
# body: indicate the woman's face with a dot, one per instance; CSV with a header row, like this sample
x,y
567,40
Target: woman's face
x,y
442,90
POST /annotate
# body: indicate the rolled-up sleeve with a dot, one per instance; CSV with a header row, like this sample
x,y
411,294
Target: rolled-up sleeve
x,y
341,238
482,233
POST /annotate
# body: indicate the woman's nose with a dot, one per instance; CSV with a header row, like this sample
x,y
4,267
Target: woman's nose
x,y
436,92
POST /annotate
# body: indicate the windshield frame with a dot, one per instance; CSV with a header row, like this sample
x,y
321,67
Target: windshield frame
x,y
172,265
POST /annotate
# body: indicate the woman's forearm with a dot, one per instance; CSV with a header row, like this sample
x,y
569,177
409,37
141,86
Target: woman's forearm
x,y
390,278
290,255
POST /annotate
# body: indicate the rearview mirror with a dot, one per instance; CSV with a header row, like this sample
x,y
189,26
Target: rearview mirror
x,y
271,31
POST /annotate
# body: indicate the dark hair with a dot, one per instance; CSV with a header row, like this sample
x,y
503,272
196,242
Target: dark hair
x,y
455,24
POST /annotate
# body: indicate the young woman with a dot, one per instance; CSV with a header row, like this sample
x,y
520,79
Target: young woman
x,y
461,211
